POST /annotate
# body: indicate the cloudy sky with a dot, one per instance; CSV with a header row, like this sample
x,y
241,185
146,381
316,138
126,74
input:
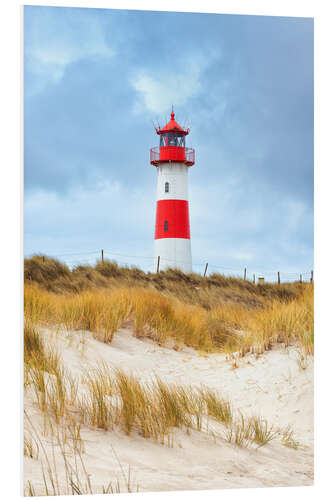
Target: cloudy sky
x,y
94,81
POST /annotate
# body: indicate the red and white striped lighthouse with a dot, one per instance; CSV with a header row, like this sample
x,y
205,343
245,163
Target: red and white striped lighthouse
x,y
172,229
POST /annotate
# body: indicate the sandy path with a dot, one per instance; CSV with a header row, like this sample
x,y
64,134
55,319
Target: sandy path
x,y
273,386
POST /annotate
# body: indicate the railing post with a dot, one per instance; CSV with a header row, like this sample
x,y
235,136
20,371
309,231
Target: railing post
x,y
158,264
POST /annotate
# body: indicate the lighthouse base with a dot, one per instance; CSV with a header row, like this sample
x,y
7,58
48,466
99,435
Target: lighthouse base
x,y
174,253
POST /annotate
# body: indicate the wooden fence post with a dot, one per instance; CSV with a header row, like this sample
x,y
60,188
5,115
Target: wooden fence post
x,y
205,269
158,264
245,273
311,279
102,255
254,278
300,278
279,281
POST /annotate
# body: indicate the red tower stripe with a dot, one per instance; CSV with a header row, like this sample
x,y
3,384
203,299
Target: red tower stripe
x,y
172,219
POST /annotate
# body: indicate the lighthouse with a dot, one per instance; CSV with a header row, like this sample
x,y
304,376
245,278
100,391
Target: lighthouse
x,y
172,227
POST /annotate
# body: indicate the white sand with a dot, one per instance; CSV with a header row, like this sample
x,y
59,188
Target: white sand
x,y
273,386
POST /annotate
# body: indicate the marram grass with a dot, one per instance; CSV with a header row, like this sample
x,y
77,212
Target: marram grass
x,y
153,409
217,314
161,317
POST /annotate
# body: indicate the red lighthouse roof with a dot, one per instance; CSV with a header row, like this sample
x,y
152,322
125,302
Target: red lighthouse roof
x,y
172,126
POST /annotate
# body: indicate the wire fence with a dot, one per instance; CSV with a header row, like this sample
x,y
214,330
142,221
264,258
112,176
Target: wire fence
x,y
204,267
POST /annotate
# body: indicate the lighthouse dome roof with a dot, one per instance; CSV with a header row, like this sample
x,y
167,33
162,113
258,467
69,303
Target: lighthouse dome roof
x,y
172,126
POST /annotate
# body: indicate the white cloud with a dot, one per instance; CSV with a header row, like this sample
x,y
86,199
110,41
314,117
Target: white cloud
x,y
158,90
157,94
53,42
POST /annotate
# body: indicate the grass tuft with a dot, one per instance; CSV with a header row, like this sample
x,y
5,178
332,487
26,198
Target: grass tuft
x,y
288,438
263,432
216,406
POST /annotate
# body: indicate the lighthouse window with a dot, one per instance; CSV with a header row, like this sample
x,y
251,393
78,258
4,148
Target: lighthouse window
x,y
172,139
180,140
166,225
166,187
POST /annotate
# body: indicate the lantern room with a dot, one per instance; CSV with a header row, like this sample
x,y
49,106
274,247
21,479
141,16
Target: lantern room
x,y
172,145
172,139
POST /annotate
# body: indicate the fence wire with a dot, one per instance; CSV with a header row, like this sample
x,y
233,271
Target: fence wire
x,y
148,264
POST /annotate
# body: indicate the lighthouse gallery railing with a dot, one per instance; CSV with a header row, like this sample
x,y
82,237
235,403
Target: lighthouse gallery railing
x,y
172,153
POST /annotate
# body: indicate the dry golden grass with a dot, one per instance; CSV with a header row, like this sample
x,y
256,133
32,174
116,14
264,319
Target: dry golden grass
x,y
208,314
30,447
36,355
155,409
244,431
288,438
214,314
229,327
77,479
216,406
101,313
240,433
45,374
208,292
263,432
95,406
122,400
291,322
110,399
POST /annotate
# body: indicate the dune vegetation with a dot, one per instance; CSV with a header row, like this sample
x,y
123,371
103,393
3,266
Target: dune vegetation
x,y
213,314
208,314
106,399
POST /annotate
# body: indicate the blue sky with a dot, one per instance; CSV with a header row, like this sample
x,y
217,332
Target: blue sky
x,y
94,81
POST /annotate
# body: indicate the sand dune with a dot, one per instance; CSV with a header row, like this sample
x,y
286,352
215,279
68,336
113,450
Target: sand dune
x,y
274,385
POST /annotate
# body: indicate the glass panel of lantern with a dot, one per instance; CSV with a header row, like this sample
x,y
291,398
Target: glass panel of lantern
x,y
172,141
181,140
